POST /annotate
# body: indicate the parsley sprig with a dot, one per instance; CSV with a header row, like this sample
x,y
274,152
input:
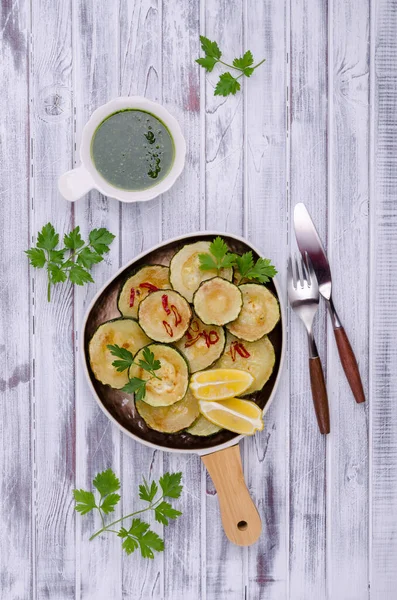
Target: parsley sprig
x,y
138,534
219,257
135,385
81,258
262,270
227,83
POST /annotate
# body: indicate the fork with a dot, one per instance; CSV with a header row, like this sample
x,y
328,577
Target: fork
x,y
304,298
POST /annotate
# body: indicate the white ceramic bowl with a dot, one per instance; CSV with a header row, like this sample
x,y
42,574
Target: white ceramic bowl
x,y
77,182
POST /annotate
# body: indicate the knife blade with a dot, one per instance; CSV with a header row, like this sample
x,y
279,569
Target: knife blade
x,y
309,241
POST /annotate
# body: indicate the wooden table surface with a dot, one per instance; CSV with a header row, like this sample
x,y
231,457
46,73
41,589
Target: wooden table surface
x,y
316,123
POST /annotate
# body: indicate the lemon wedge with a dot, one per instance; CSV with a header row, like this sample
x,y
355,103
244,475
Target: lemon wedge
x,y
219,384
234,414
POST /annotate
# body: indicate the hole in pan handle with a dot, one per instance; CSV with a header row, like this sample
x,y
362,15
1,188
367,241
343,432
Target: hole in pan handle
x,y
240,518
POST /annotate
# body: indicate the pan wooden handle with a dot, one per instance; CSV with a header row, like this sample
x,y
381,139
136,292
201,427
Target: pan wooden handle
x,y
240,518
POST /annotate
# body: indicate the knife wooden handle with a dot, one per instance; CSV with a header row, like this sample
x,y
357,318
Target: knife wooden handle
x,y
319,393
241,521
349,364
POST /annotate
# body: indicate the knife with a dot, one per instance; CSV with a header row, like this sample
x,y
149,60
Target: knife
x,y
308,241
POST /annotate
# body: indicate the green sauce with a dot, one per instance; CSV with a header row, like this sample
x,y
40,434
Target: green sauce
x,y
132,149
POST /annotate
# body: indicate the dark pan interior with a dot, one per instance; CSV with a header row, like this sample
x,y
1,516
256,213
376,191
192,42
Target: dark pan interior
x,y
117,402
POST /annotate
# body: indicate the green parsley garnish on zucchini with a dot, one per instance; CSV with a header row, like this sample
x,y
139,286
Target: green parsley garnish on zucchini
x,y
220,257
81,258
138,534
148,363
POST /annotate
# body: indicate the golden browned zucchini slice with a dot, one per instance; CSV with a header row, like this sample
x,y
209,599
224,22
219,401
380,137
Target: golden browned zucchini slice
x,y
217,301
146,280
170,419
127,334
164,316
185,272
202,344
257,358
259,315
172,379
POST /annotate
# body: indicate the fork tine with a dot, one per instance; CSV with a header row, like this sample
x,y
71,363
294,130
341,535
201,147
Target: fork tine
x,y
305,270
312,274
298,267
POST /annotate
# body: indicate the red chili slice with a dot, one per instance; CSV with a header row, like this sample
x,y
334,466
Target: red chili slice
x,y
168,328
233,351
215,337
206,338
177,316
149,286
242,351
164,301
192,340
132,297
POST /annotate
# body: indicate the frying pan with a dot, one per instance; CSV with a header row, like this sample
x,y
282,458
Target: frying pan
x,y
220,452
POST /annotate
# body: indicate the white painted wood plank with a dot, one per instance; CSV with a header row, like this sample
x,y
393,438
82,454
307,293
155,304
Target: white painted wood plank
x,y
140,74
181,213
16,379
383,286
224,164
224,139
96,81
347,451
52,342
266,218
308,183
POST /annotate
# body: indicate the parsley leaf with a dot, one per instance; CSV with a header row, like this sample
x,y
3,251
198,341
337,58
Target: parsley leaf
x,y
170,483
245,63
106,482
262,270
165,511
73,240
100,240
219,257
147,493
47,238
208,62
37,257
80,259
136,386
85,501
125,356
56,256
149,542
79,275
226,85
56,274
139,535
109,503
211,49
149,363
87,258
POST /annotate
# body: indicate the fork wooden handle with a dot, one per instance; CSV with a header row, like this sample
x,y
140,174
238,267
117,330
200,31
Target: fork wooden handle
x,y
319,393
349,364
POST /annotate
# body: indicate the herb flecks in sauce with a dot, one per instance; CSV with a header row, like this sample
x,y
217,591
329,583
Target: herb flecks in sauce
x,y
131,149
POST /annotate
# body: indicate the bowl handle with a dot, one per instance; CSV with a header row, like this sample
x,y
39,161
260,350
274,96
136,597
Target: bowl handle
x,y
240,518
75,183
